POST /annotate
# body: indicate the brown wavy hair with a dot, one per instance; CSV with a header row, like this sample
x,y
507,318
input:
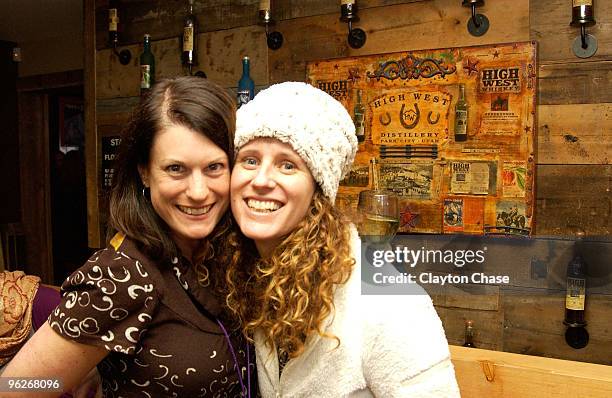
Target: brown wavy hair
x,y
290,294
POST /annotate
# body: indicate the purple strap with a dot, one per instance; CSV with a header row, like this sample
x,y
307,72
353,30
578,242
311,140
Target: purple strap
x,y
231,347
45,301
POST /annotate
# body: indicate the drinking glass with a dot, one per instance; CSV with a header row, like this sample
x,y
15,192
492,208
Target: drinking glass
x,y
379,211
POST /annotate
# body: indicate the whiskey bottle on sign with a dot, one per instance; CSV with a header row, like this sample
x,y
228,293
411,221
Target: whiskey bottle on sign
x,y
246,86
190,32
359,118
469,334
461,116
147,66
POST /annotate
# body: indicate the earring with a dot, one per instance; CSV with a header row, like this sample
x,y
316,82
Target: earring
x,y
146,193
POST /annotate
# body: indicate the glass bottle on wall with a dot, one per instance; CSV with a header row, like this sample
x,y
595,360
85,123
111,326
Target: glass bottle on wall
x,y
576,334
246,86
190,31
147,66
576,291
359,118
469,334
461,116
113,23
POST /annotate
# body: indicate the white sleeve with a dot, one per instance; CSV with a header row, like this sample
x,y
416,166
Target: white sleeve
x,y
405,350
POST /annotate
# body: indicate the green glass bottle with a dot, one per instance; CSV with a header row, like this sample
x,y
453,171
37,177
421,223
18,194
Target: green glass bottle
x,y
147,66
358,118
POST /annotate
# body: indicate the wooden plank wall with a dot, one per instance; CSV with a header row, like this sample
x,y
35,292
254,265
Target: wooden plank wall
x,y
574,174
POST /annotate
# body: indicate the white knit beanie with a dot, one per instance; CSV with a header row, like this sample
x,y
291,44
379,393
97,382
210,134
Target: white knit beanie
x,y
317,126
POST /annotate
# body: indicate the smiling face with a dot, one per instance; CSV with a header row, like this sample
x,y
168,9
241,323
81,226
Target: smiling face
x,y
271,191
189,180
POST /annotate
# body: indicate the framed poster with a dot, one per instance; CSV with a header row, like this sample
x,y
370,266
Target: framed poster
x,y
453,131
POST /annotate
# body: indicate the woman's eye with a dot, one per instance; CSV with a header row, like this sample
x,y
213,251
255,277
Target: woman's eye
x,y
288,166
250,162
215,167
175,168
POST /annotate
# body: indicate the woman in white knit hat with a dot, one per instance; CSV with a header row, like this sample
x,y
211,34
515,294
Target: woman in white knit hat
x,y
295,276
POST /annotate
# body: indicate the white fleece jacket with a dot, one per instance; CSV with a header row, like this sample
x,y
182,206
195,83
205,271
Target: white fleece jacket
x,y
390,346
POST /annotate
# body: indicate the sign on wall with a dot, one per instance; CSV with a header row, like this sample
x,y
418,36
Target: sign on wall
x,y
410,115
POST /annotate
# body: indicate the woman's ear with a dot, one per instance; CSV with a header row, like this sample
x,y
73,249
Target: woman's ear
x,y
144,175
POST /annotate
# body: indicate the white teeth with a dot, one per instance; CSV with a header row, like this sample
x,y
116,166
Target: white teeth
x,y
263,206
193,211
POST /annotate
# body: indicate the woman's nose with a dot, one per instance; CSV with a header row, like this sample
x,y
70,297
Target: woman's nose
x,y
264,178
198,187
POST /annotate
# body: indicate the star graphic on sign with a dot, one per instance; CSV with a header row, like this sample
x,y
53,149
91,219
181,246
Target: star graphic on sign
x,y
408,218
470,66
336,66
496,54
527,129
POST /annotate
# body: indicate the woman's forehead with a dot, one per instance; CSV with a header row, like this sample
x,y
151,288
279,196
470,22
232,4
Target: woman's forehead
x,y
268,144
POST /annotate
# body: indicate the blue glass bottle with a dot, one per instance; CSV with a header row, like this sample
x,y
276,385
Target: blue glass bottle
x,y
246,86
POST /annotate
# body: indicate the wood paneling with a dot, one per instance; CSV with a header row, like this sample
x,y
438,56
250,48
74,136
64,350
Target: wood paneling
x,y
522,376
533,325
35,189
472,297
52,80
115,111
290,9
575,83
164,19
220,55
575,134
92,151
423,25
571,197
549,25
488,326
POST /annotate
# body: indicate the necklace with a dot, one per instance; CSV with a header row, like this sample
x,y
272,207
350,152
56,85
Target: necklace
x,y
245,391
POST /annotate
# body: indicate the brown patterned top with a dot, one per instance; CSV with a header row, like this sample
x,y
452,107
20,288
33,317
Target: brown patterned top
x,y
159,344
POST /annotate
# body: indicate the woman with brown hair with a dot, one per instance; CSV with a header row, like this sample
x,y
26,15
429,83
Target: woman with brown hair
x,y
145,309
294,279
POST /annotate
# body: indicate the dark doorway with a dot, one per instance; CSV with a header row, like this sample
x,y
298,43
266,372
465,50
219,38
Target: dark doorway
x,y
10,208
11,230
67,181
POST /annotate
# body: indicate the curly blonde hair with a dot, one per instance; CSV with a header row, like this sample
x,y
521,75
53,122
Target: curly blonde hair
x,y
290,294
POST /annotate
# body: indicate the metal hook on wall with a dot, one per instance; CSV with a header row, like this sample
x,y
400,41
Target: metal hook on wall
x,y
478,24
585,45
348,13
273,39
113,22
